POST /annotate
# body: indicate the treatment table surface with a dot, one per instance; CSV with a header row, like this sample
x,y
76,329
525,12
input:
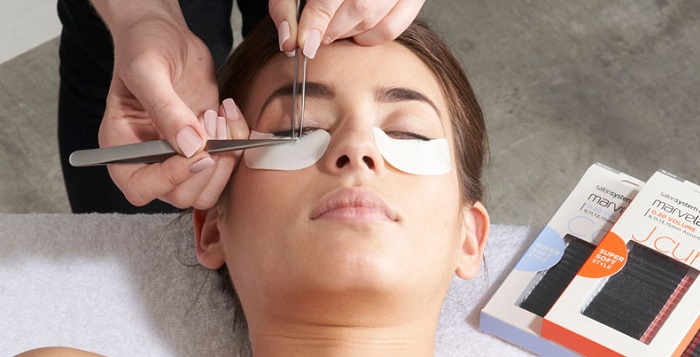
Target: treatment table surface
x,y
128,285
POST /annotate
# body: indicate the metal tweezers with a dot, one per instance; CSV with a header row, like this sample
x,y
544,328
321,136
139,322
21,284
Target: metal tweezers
x,y
150,152
295,89
158,151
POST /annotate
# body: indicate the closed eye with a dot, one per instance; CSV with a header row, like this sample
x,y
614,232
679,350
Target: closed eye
x,y
405,135
288,133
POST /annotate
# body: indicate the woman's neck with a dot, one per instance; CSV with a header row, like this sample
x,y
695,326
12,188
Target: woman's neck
x,y
346,324
343,341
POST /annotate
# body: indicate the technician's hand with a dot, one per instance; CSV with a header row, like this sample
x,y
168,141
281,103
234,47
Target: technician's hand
x,y
324,21
163,81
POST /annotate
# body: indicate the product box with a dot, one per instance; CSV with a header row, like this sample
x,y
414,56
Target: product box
x,y
636,295
515,311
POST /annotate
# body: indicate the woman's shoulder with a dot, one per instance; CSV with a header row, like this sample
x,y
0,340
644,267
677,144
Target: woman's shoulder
x,y
57,352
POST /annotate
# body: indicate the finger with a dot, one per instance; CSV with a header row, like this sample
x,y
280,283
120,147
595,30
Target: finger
x,y
171,116
210,123
142,183
237,125
186,193
284,14
203,190
221,128
392,25
355,17
225,163
314,21
217,182
237,128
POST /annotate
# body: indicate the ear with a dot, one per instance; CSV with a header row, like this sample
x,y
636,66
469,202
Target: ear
x,y
207,238
475,231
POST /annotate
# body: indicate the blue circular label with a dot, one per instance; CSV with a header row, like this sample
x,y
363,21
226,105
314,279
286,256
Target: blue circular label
x,y
544,252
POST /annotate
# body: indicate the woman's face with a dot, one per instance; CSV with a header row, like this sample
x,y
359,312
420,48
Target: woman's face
x,y
350,223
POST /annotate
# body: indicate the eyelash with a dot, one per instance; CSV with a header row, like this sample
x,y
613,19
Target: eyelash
x,y
288,133
400,135
405,135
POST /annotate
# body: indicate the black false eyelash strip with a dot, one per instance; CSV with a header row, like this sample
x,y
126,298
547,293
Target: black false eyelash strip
x,y
631,300
693,349
555,279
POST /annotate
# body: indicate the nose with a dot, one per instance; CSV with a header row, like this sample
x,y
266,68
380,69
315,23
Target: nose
x,y
354,151
345,161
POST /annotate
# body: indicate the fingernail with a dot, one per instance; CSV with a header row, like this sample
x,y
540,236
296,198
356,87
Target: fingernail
x,y
291,54
210,122
284,33
201,165
221,128
313,40
188,141
231,109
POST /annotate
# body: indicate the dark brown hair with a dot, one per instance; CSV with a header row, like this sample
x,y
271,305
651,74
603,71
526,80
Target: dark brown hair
x,y
469,131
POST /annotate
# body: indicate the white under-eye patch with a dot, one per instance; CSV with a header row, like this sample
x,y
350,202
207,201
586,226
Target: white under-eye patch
x,y
295,155
418,157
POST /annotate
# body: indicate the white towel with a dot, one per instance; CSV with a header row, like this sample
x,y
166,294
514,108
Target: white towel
x,y
121,285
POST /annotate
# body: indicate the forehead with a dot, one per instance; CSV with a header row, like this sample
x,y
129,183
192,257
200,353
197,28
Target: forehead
x,y
351,70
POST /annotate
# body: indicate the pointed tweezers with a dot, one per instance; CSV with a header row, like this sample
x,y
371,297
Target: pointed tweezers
x,y
158,151
295,90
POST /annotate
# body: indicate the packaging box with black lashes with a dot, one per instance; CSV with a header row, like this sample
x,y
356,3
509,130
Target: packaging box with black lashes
x,y
515,311
635,295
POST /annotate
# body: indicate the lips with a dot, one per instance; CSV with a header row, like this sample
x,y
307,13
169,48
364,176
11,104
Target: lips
x,y
353,204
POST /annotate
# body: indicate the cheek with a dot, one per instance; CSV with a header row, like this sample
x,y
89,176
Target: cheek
x,y
431,234
253,202
249,198
433,210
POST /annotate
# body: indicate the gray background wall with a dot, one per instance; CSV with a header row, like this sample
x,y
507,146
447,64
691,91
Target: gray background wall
x,y
563,84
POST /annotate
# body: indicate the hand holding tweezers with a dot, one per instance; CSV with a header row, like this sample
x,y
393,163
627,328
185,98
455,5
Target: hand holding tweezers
x,y
158,151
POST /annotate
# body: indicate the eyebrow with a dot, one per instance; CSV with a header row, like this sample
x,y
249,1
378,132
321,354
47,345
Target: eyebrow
x,y
401,94
313,90
322,91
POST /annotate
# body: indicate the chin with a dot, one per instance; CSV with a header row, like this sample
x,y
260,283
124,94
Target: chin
x,y
347,262
361,288
360,255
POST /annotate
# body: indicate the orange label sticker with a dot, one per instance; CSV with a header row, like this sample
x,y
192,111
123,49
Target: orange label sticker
x,y
607,258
